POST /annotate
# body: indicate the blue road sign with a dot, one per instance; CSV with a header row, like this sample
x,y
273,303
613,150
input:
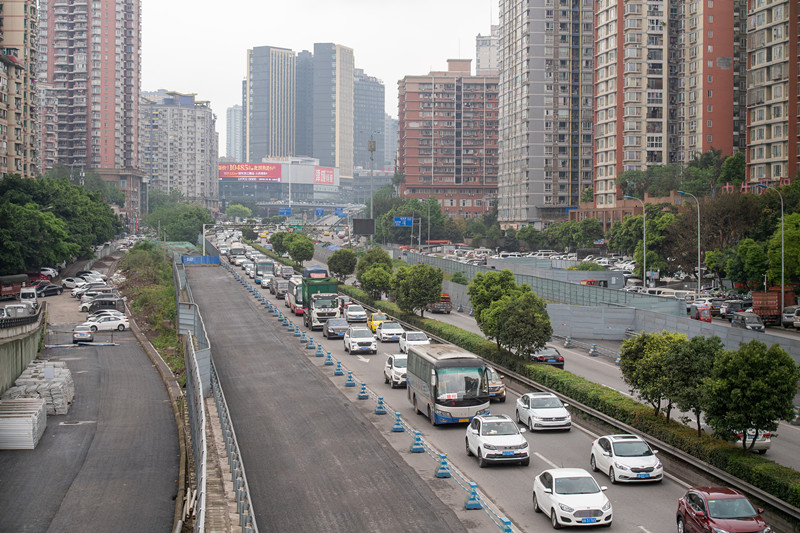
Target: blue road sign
x,y
339,211
320,212
286,211
403,222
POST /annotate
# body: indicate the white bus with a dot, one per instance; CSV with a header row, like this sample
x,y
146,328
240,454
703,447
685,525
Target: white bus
x,y
447,383
294,296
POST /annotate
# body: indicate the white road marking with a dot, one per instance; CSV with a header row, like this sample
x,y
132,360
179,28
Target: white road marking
x,y
362,359
545,459
643,529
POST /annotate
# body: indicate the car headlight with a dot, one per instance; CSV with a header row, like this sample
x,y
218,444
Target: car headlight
x,y
659,465
566,508
767,529
620,466
607,506
490,446
719,530
524,445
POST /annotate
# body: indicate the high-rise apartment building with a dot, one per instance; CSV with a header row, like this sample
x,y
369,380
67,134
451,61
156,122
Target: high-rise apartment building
x,y
369,104
47,113
270,103
773,154
333,85
447,131
304,123
92,59
389,141
18,101
546,109
487,53
179,146
233,129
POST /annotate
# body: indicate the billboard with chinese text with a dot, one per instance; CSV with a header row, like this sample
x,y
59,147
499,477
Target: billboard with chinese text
x,y
250,171
323,176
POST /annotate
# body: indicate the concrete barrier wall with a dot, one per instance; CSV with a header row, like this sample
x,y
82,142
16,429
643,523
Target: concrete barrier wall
x,y
16,353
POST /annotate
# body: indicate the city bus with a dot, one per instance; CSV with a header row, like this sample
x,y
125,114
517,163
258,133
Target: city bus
x,y
447,383
294,296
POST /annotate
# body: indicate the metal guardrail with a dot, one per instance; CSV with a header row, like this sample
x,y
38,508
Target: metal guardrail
x,y
197,427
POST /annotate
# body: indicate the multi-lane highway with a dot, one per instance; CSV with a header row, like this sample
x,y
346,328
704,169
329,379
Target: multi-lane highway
x,y
636,508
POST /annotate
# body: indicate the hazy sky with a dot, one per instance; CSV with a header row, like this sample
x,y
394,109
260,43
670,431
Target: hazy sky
x,y
200,46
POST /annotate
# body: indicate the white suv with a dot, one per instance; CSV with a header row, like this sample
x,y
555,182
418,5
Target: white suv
x,y
360,339
497,439
394,371
625,458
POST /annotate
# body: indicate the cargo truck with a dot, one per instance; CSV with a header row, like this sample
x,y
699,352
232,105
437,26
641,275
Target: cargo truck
x,y
11,285
768,305
319,301
444,305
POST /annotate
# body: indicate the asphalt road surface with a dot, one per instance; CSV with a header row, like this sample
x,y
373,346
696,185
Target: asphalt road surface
x,y
314,459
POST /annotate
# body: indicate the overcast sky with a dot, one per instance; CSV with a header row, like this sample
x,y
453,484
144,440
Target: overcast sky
x,y
200,46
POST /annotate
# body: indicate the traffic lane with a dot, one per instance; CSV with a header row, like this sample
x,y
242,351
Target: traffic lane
x,y
314,463
114,454
509,486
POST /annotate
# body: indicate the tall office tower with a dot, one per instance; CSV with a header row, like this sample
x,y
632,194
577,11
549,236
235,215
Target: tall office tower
x,y
93,60
546,111
233,130
773,155
369,103
270,103
18,54
389,141
447,131
487,52
179,145
333,85
304,122
48,126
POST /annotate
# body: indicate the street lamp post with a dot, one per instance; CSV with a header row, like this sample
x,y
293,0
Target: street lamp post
x,y
783,287
644,238
696,201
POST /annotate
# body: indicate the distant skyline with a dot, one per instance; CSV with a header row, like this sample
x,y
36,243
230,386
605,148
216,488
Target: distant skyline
x,y
197,47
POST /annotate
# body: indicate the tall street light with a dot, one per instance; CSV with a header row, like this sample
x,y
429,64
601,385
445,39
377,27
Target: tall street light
x,y
644,238
698,237
783,288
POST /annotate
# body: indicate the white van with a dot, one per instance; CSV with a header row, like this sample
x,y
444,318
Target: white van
x,y
28,294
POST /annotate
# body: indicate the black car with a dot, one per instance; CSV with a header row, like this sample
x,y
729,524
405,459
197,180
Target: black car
x,y
49,290
548,356
335,328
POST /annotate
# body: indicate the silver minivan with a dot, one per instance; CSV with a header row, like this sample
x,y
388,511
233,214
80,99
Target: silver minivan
x,y
747,321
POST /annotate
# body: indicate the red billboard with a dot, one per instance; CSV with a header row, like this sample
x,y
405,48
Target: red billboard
x,y
250,171
323,176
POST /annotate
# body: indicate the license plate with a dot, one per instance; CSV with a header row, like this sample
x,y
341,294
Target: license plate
x,y
492,394
463,420
508,452
643,475
551,360
588,520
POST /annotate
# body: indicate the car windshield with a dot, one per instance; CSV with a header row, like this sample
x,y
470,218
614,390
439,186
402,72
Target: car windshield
x,y
545,403
416,336
460,382
391,325
400,362
376,317
547,351
634,448
730,508
361,334
82,328
326,304
576,485
337,323
752,320
355,309
499,428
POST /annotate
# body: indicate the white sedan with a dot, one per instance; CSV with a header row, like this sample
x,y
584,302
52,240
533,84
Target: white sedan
x,y
542,410
109,323
71,283
411,338
355,313
625,458
571,497
389,331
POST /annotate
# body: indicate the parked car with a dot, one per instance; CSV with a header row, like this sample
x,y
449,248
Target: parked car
x,y
496,439
787,319
355,313
71,283
49,272
334,328
571,496
360,339
704,509
497,389
375,319
410,338
543,410
82,333
109,323
49,290
92,273
394,371
548,356
625,458
104,312
763,440
389,331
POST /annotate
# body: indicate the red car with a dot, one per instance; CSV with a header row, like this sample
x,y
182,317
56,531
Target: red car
x,y
706,509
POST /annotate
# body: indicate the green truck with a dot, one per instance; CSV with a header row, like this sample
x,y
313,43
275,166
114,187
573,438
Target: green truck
x,y
319,301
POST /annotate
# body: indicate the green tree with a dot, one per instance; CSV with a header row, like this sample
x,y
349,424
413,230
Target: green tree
x,y
642,360
589,266
460,278
248,233
750,388
587,194
523,326
377,280
688,364
238,211
31,238
733,170
791,246
301,249
183,222
489,287
416,286
342,263
276,240
532,237
158,199
375,256
749,264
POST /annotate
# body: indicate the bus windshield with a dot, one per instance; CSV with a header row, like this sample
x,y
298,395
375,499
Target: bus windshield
x,y
460,383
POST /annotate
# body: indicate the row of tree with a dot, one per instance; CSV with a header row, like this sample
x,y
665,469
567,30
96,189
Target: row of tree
x,y
46,221
299,247
751,388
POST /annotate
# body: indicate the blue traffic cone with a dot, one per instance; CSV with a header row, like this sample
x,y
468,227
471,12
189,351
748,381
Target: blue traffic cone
x,y
362,395
416,444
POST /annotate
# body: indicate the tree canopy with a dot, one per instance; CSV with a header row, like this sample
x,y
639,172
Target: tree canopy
x,y
342,263
416,286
